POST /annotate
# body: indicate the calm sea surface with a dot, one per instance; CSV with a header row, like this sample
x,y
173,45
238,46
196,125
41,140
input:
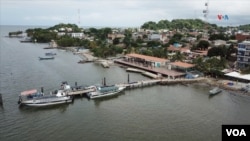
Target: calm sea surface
x,y
148,114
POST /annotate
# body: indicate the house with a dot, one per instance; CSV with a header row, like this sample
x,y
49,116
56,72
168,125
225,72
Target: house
x,y
243,55
242,36
154,37
77,35
116,35
61,33
219,42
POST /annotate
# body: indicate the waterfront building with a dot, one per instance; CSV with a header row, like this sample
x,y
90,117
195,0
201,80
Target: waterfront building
x,y
178,65
243,55
147,60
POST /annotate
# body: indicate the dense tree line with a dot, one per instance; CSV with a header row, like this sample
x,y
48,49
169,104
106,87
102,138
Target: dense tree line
x,y
178,24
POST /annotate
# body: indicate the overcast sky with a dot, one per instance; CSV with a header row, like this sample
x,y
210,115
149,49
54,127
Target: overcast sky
x,y
118,13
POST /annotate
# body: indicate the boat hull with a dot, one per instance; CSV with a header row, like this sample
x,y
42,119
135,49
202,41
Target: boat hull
x,y
215,91
47,102
46,58
96,95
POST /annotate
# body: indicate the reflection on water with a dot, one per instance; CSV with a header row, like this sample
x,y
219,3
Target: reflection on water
x,y
28,109
98,101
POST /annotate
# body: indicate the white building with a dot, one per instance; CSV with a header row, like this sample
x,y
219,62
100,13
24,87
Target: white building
x,y
77,35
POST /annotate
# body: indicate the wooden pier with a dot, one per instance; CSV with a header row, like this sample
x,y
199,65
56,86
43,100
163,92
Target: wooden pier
x,y
80,92
141,84
145,83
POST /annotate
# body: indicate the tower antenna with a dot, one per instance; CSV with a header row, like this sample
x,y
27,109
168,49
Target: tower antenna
x,y
79,18
206,11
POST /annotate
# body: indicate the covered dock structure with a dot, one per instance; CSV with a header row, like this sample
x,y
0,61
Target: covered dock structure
x,y
146,60
182,66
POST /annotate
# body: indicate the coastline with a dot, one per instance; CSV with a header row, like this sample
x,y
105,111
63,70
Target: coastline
x,y
236,87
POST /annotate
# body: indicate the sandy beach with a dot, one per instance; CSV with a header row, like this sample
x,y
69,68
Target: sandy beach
x,y
228,85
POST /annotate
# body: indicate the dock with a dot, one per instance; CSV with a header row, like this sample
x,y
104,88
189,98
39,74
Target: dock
x,y
80,92
146,83
163,72
140,84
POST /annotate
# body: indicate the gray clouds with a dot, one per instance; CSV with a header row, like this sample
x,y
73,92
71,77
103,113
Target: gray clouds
x,y
119,12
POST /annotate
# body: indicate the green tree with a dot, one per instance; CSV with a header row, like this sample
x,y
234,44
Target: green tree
x,y
116,41
178,57
203,45
128,38
217,51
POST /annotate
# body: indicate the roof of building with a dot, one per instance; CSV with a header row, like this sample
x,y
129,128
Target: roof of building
x,y
238,75
200,52
173,48
148,58
182,64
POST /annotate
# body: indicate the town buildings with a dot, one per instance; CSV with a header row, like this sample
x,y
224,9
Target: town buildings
x,y
243,55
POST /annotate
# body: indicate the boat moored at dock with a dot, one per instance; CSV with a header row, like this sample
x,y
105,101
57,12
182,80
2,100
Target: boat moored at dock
x,y
103,91
38,99
215,90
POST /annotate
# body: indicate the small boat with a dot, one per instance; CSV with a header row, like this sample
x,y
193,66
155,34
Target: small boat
x,y
103,91
34,98
50,54
47,58
215,90
26,40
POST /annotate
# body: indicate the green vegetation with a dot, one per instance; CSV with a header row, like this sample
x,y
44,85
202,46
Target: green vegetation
x,y
245,27
46,35
178,24
211,66
187,32
16,33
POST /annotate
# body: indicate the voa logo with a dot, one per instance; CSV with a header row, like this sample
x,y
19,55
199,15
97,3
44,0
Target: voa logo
x,y
222,17
236,132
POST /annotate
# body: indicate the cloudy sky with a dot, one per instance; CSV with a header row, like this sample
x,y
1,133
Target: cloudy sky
x,y
118,13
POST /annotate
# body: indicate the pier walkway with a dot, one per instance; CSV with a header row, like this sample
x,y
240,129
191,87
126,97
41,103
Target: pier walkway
x,y
146,83
80,92
143,83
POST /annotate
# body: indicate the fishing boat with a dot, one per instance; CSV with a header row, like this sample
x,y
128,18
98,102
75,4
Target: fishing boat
x,y
103,91
215,90
47,58
34,98
50,54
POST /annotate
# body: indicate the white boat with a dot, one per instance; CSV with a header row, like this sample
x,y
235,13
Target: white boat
x,y
103,91
38,99
215,90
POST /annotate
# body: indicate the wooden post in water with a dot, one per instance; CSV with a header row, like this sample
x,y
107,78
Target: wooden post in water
x,y
104,81
41,89
76,84
128,78
1,100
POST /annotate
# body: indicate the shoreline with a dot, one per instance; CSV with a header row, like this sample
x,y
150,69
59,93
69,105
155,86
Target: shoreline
x,y
211,82
223,84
